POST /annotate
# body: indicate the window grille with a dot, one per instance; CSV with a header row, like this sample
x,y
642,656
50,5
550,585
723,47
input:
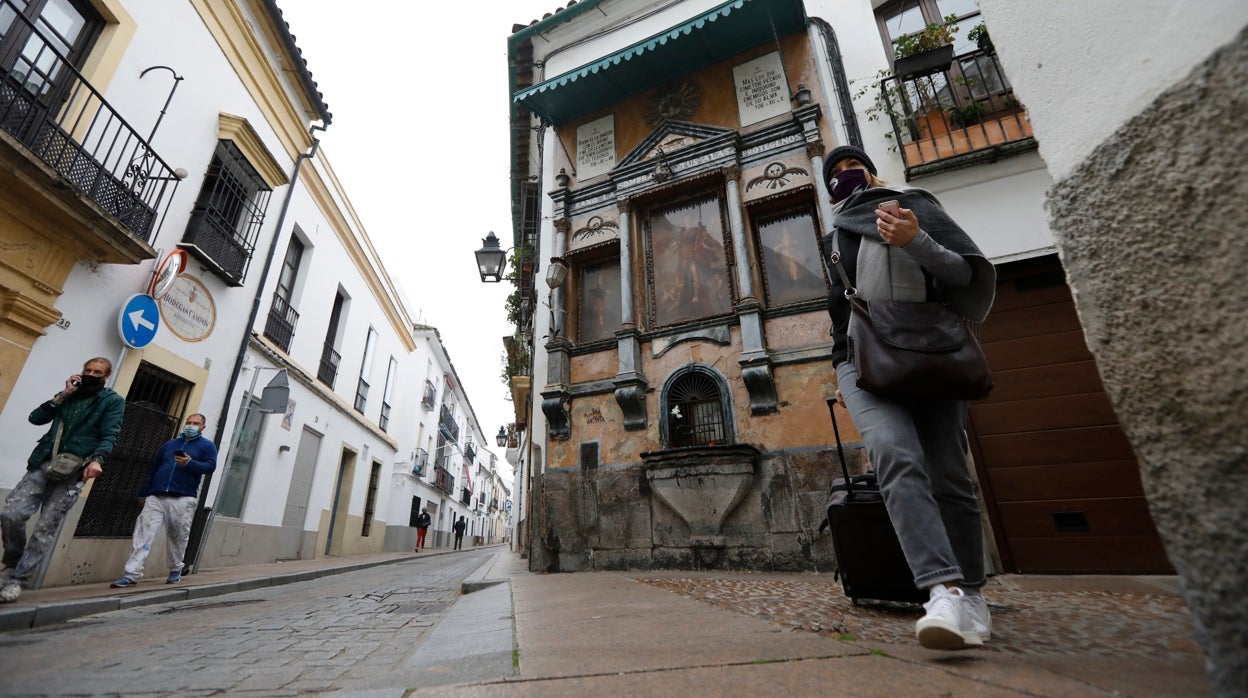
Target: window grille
x,y
695,411
227,216
370,502
155,404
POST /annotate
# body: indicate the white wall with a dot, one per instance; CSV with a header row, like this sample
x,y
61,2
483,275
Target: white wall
x,y
1111,60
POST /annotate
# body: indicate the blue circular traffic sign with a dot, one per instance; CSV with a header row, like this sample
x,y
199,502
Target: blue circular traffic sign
x,y
138,321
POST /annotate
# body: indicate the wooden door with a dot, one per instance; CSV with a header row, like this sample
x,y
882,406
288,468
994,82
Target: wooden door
x,y
1061,482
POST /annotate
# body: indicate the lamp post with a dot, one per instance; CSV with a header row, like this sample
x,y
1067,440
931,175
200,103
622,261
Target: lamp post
x,y
275,397
501,437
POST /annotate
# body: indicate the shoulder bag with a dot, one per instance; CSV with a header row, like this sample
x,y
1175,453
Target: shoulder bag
x,y
914,351
62,464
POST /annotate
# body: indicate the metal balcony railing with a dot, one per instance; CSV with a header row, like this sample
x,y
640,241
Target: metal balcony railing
x,y
446,423
327,371
420,461
443,480
431,396
465,497
51,109
955,117
280,327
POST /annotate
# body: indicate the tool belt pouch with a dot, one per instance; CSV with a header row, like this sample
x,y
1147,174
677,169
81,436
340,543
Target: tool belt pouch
x,y
63,465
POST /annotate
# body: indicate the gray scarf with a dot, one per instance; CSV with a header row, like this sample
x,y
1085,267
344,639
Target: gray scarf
x,y
856,216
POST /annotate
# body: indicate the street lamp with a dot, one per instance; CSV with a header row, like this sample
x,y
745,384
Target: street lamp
x,y
501,438
490,259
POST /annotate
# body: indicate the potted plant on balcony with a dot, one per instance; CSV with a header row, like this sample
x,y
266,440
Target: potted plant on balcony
x,y
926,51
979,34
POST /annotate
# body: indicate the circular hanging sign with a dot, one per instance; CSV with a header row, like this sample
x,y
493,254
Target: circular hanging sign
x,y
188,310
173,264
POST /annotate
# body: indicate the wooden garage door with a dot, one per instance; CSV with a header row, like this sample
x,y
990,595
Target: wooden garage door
x,y
1060,479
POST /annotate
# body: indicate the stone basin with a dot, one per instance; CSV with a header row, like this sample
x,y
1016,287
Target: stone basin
x,y
702,484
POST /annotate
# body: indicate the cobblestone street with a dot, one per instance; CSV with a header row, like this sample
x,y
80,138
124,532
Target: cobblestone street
x,y
301,638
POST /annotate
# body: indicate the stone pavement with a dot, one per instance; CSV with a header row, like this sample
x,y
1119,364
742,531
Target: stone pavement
x,y
659,633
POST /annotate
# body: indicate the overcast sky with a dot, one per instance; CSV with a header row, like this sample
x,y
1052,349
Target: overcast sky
x,y
420,140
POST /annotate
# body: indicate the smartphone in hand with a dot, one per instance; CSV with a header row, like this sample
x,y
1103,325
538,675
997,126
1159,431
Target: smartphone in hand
x,y
892,207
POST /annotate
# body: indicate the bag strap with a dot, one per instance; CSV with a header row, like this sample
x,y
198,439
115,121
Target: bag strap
x,y
56,443
835,257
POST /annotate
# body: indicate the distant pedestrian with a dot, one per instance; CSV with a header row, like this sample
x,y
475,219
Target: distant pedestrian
x,y
423,521
460,526
85,422
169,496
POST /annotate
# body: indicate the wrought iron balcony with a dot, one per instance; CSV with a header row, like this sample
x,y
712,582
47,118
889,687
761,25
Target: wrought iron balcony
x,y
420,461
51,109
957,116
465,497
431,396
446,423
327,372
470,449
443,480
280,327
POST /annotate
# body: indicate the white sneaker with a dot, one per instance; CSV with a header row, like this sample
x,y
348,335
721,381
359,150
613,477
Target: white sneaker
x,y
977,608
10,591
947,625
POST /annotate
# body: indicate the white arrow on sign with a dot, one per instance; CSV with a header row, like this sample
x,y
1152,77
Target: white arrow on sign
x,y
137,319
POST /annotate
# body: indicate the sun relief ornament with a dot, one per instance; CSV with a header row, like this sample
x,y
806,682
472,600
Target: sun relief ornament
x,y
679,102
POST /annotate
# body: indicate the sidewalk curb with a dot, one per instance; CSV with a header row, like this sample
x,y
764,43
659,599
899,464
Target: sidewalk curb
x,y
477,580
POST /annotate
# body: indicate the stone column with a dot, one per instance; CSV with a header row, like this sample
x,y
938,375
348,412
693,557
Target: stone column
x,y
755,362
630,382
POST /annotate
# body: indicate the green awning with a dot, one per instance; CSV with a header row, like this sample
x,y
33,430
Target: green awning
x,y
735,26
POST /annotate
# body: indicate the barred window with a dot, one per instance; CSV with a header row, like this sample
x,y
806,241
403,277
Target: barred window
x,y
695,411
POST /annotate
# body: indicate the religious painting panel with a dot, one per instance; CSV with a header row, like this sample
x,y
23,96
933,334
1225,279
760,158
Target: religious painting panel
x,y
598,303
688,261
792,270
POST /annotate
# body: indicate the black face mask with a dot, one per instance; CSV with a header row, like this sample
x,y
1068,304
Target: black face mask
x,y
90,384
847,182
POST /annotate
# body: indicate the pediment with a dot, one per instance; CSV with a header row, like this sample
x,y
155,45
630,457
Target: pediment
x,y
671,136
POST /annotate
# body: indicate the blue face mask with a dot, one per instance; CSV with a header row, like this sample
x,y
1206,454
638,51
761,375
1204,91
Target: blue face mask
x,y
190,432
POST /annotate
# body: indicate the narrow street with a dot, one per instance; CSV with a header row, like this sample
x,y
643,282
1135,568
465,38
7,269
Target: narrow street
x,y
356,631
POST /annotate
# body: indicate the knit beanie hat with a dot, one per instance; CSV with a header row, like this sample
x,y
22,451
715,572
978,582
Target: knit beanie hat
x,y
842,152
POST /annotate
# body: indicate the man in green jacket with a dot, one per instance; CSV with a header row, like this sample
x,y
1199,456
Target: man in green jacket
x,y
88,418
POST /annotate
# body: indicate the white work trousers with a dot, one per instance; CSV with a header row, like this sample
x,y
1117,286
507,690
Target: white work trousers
x,y
176,513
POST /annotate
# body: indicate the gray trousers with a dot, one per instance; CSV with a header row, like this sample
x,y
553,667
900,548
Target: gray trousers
x,y
918,450
34,492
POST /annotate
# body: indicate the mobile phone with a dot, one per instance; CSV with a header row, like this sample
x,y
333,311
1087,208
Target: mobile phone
x,y
75,381
892,206
179,452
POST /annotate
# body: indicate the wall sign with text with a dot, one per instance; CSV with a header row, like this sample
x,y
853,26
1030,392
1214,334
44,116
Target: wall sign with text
x,y
595,148
762,90
188,309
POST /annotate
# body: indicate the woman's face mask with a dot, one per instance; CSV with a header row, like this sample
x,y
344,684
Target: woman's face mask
x,y
847,182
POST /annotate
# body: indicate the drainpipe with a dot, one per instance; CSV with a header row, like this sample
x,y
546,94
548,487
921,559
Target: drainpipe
x,y
197,529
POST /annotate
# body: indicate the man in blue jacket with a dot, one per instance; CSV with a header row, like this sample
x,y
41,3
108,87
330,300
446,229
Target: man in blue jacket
x,y
170,493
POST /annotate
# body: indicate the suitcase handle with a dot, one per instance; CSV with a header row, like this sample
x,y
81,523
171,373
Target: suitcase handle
x,y
840,450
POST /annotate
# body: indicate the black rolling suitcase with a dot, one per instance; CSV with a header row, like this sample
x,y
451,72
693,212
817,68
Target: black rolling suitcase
x,y
869,560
